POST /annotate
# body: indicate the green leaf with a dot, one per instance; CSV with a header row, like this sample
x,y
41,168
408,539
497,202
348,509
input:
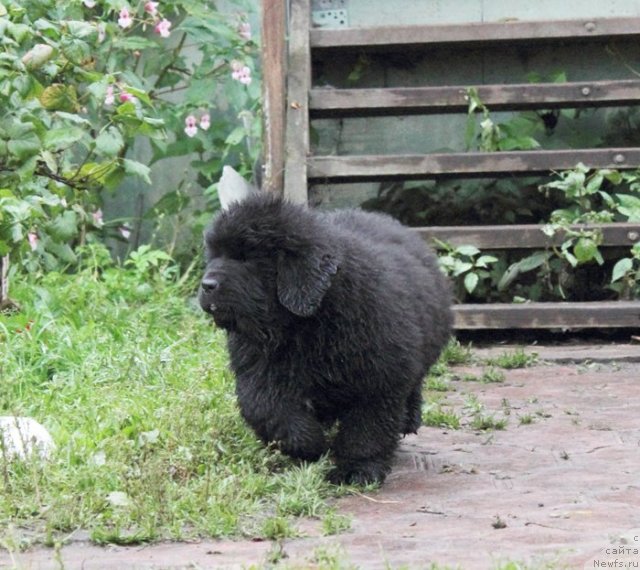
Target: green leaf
x,y
109,142
629,206
63,227
18,32
621,268
529,263
62,138
80,29
518,143
171,203
585,250
459,267
469,250
470,131
484,260
236,136
73,118
24,141
61,250
471,282
137,169
559,77
134,43
58,97
613,176
594,183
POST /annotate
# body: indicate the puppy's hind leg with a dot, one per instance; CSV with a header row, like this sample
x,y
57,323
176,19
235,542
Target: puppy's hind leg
x,y
366,441
413,416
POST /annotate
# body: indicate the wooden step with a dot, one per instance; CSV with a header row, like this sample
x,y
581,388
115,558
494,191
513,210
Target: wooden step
x,y
328,102
565,316
473,33
526,236
469,164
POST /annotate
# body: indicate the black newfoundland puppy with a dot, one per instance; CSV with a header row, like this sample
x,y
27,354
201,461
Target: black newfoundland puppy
x,y
331,317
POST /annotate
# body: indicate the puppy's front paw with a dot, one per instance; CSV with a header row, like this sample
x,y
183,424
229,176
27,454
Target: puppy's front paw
x,y
304,440
359,473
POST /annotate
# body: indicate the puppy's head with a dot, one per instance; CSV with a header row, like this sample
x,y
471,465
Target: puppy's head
x,y
267,261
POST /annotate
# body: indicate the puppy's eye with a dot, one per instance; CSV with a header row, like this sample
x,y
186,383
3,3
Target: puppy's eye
x,y
237,255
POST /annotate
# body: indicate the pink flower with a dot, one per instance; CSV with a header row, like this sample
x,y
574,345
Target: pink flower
x,y
205,122
163,27
191,128
33,240
244,30
97,218
102,32
125,231
240,72
151,8
90,3
124,19
124,97
110,97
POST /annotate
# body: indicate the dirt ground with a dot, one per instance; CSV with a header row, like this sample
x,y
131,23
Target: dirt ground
x,y
559,487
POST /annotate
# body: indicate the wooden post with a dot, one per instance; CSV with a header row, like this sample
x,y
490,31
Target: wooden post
x,y
274,66
299,84
4,281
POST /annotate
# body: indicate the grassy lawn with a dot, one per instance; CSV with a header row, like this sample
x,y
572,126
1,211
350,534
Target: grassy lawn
x,y
131,380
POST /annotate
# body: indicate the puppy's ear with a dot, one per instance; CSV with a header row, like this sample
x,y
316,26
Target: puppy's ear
x,y
304,278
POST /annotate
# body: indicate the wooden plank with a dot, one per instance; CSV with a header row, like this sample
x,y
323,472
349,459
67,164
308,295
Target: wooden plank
x,y
523,236
273,30
491,32
613,314
4,280
299,84
327,102
469,164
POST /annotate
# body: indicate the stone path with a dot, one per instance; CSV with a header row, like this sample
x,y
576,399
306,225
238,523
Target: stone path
x,y
559,487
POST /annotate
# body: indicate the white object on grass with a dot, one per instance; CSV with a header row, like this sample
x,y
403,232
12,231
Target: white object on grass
x,y
233,188
22,438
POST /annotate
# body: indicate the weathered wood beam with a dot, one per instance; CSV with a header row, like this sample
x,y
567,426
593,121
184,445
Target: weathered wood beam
x,y
527,236
273,29
490,32
4,280
299,84
327,102
468,164
613,314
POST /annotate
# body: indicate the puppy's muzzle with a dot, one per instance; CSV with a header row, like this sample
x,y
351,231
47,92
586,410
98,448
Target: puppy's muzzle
x,y
208,287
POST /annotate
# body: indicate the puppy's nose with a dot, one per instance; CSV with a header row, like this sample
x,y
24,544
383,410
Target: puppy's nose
x,y
209,284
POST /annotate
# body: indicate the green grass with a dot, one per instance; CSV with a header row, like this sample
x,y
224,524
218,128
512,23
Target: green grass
x,y
436,414
131,380
516,359
456,354
488,376
525,419
486,422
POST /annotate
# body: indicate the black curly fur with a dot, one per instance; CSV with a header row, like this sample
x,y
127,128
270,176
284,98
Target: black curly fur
x,y
331,317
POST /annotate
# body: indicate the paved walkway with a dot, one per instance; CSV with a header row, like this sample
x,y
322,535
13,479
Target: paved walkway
x,y
559,486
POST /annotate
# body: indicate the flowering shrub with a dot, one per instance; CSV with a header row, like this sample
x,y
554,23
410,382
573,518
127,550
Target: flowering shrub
x,y
81,81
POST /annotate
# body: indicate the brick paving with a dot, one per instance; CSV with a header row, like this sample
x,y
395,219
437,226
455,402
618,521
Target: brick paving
x,y
562,491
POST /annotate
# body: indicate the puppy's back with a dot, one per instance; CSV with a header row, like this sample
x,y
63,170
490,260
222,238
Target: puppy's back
x,y
381,229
